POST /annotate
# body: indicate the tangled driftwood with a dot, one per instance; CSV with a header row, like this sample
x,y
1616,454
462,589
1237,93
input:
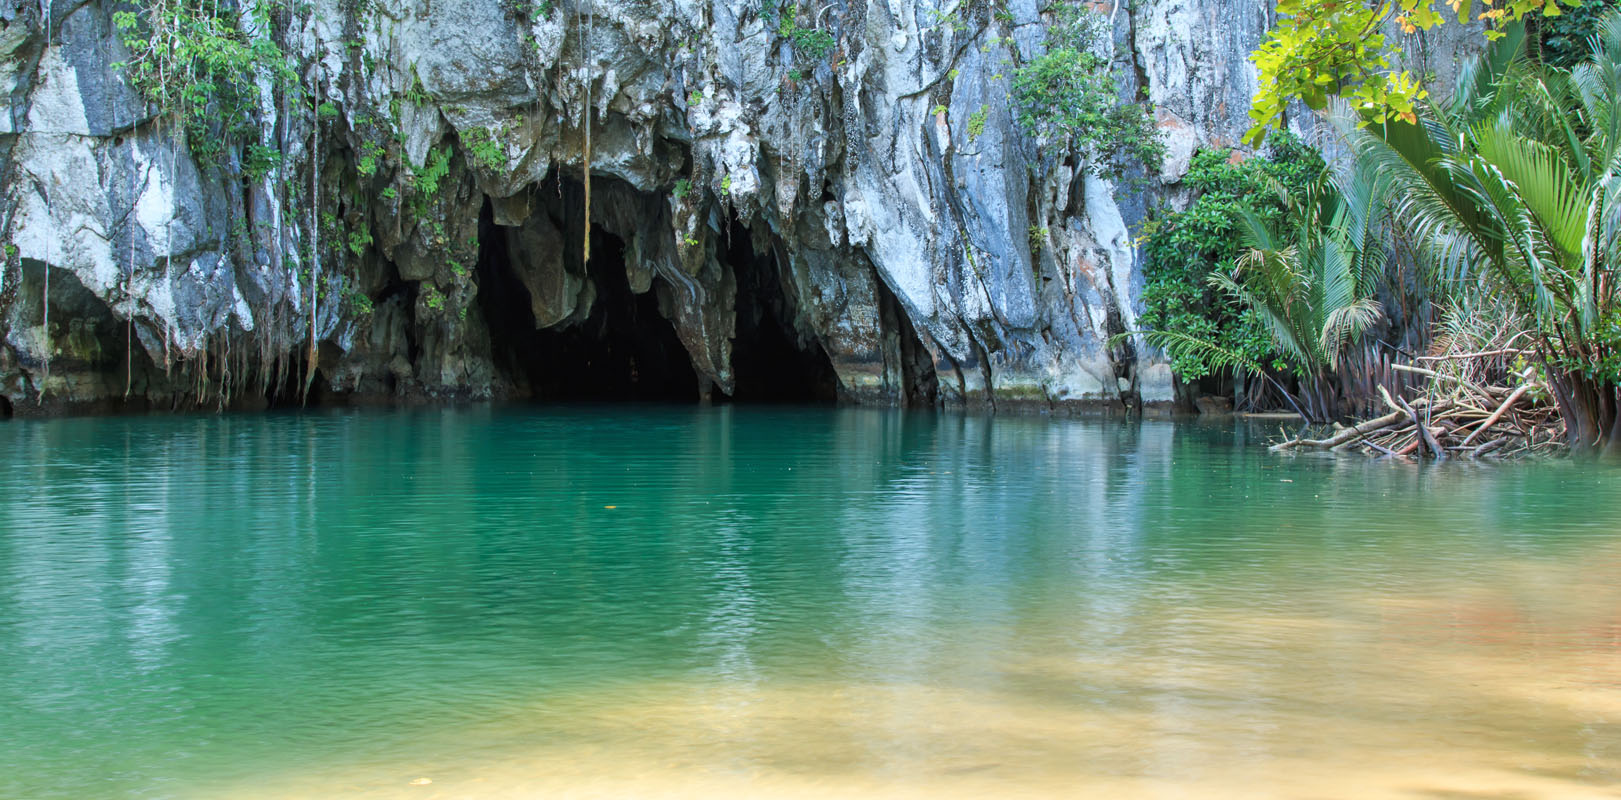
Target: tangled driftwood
x,y
1454,417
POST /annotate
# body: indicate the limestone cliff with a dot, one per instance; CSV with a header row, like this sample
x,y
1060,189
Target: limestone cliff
x,y
869,220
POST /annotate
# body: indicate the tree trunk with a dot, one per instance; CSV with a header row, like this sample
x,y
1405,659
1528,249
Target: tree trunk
x,y
1321,397
1592,412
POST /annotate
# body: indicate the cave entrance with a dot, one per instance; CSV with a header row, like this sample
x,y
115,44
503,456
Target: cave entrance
x,y
622,350
617,344
5,407
773,361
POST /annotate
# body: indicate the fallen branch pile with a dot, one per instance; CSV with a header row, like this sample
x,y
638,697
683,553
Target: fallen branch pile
x,y
1455,417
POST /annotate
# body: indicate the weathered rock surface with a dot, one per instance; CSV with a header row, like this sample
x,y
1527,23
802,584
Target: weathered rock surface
x,y
742,192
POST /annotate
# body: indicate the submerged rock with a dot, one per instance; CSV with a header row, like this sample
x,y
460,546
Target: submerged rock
x,y
852,212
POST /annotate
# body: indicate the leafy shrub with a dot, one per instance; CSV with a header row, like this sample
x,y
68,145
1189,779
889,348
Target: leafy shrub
x,y
1182,248
1070,96
1563,39
810,43
976,123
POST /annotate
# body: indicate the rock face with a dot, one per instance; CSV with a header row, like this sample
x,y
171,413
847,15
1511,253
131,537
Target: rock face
x,y
864,220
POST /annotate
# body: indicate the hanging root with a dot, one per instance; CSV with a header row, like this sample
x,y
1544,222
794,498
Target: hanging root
x,y
585,44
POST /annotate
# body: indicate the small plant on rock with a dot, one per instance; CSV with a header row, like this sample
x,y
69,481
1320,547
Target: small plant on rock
x,y
1070,96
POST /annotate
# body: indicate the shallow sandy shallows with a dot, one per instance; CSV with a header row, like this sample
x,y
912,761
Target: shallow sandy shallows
x,y
1450,693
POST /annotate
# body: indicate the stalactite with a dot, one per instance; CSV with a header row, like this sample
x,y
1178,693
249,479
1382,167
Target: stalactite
x,y
129,319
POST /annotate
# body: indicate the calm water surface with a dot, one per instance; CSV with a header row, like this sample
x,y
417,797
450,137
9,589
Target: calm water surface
x,y
634,602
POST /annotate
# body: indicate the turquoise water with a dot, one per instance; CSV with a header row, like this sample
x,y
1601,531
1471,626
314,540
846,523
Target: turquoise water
x,y
773,602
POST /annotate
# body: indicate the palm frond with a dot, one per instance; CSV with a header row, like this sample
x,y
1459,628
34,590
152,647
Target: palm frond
x,y
1345,324
1475,94
1543,182
1178,344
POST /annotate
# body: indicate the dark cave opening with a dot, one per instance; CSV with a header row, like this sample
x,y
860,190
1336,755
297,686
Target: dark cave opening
x,y
622,346
772,361
5,407
623,349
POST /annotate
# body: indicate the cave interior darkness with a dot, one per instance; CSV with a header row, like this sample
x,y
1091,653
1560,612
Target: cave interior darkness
x,y
626,350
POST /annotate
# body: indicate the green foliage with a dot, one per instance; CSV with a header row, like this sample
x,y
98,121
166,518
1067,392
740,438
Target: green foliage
x,y
1562,40
258,160
950,20
976,123
201,69
417,94
1321,49
1514,190
433,298
1311,279
1181,249
1038,235
1069,95
726,186
811,43
485,147
1200,347
370,154
816,44
426,181
1308,281
939,108
436,234
359,240
360,304
683,187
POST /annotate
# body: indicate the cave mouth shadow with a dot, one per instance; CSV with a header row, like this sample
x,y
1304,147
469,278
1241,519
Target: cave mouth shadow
x,y
773,360
624,348
6,410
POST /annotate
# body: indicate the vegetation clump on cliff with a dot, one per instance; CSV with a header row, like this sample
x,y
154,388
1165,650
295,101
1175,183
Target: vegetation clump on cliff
x,y
201,65
1069,96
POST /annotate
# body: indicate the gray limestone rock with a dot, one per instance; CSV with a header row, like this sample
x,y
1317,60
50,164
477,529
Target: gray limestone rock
x,y
871,179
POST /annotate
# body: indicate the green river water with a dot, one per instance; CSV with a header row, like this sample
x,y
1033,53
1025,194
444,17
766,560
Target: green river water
x,y
761,602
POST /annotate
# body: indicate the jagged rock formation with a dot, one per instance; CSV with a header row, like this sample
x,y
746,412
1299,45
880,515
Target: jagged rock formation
x,y
765,222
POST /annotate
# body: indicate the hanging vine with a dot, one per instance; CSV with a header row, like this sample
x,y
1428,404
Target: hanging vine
x,y
315,230
585,26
